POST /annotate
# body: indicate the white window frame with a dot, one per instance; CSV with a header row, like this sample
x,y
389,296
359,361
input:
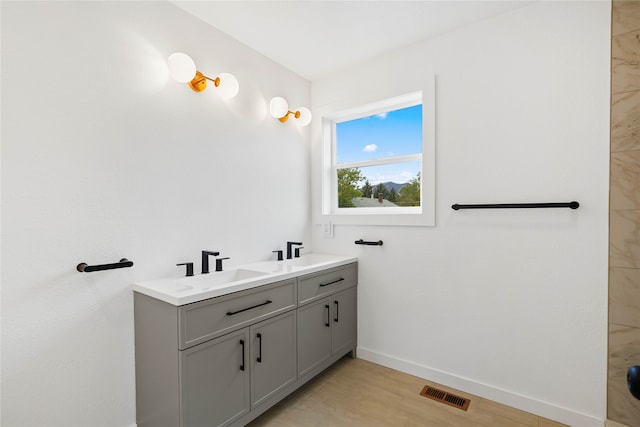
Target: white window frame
x,y
401,216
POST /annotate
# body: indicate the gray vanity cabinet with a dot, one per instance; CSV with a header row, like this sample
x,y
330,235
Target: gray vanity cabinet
x,y
225,360
197,364
314,335
224,378
327,321
343,321
215,381
273,357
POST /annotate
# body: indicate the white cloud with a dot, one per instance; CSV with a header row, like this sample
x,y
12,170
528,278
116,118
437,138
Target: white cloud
x,y
381,116
370,148
405,176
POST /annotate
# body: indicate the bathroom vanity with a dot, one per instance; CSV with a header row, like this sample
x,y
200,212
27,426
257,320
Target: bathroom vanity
x,y
220,349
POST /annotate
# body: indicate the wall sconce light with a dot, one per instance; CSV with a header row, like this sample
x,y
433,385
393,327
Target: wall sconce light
x,y
183,69
280,110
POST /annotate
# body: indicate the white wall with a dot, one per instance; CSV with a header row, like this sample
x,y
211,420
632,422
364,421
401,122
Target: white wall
x,y
510,305
103,157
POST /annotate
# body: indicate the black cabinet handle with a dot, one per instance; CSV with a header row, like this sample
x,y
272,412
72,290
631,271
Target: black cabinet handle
x,y
331,283
259,359
231,313
327,324
242,344
337,307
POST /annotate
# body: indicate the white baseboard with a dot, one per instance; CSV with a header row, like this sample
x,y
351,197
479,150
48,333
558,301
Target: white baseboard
x,y
611,423
505,397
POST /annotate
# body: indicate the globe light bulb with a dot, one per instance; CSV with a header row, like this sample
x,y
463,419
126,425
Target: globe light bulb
x,y
278,107
229,86
305,116
181,67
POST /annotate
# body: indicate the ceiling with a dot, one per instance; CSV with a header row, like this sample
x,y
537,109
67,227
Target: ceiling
x,y
318,38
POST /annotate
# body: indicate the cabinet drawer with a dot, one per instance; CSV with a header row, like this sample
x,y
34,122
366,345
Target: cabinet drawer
x,y
315,286
208,319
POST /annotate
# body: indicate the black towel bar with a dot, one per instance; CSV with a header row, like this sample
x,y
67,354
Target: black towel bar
x,y
84,268
362,242
572,205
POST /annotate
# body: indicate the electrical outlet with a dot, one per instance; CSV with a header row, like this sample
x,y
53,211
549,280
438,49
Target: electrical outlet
x,y
327,229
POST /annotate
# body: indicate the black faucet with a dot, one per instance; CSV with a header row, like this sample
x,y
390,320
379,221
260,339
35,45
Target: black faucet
x,y
189,268
289,248
219,263
205,260
279,252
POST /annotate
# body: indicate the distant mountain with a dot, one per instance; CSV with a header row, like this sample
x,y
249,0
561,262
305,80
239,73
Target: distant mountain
x,y
393,185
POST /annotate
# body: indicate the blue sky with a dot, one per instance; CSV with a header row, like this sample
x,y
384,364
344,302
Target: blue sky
x,y
395,133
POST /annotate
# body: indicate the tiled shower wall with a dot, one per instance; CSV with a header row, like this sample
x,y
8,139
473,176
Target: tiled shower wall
x,y
624,214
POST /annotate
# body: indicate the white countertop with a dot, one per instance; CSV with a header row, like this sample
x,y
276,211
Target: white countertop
x,y
187,290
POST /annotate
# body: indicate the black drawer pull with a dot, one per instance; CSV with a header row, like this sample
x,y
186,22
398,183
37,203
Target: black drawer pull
x,y
242,344
331,283
327,324
337,308
231,313
259,359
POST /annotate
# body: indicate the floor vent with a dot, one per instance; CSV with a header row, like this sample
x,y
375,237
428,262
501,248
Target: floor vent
x,y
446,398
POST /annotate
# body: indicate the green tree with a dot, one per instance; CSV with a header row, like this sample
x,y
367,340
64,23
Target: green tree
x,y
367,189
410,194
380,189
348,180
393,195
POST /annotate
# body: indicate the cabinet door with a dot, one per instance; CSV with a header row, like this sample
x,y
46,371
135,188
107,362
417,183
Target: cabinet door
x,y
314,335
344,320
273,356
215,381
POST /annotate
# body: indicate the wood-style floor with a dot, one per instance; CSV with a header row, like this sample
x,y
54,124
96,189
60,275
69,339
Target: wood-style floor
x,y
358,393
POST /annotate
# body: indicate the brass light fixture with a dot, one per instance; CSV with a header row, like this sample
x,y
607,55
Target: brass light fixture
x,y
183,69
279,108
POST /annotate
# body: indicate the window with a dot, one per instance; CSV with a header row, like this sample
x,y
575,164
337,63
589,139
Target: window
x,y
379,162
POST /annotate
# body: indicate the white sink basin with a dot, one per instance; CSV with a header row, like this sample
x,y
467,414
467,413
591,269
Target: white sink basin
x,y
310,259
217,279
295,264
190,289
